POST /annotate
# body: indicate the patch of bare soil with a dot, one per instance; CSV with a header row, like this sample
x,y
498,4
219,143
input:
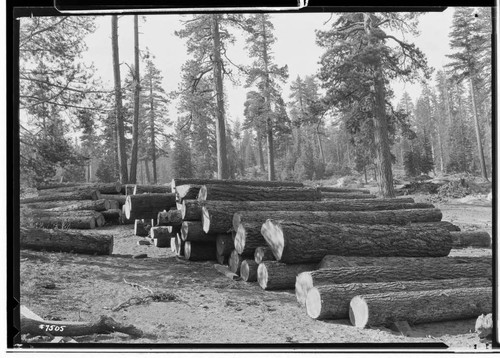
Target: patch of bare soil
x,y
193,303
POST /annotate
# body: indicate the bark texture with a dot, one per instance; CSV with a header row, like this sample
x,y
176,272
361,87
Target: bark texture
x,y
337,195
199,251
71,196
273,275
263,253
117,197
112,216
193,231
420,306
248,270
263,183
252,193
191,210
215,221
66,240
169,218
332,301
248,238
294,242
471,239
147,206
148,188
330,189
97,205
187,192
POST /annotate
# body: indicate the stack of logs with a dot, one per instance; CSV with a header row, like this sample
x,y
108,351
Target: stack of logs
x,y
284,236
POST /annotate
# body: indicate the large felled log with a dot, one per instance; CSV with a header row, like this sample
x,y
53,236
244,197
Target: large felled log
x,y
445,225
420,306
112,216
248,238
263,253
293,242
393,217
71,196
141,204
471,238
331,189
103,188
353,261
235,261
47,186
96,205
193,231
338,195
335,275
248,270
187,192
199,251
252,193
82,219
231,207
35,325
66,240
215,221
147,188
332,301
117,197
191,210
169,218
182,181
273,275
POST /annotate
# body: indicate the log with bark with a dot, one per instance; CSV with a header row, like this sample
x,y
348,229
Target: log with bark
x,y
248,270
35,325
235,261
273,275
293,242
471,239
112,216
53,185
103,188
337,275
445,225
117,197
231,207
331,189
82,219
248,237
153,189
392,217
337,195
353,261
199,251
191,210
224,244
193,231
187,192
114,204
332,301
96,205
159,232
261,183
415,307
215,221
169,218
140,228
77,241
252,193
71,196
263,253
147,206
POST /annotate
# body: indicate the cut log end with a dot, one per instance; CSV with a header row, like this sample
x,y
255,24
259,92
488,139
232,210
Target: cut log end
x,y
262,275
358,312
273,234
187,249
248,271
202,195
303,284
184,230
313,303
205,219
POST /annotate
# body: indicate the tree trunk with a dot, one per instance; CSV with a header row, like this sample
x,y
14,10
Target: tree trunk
x,y
66,241
199,251
235,261
122,155
248,238
334,196
191,210
332,301
96,205
260,152
187,192
34,325
294,242
267,95
354,261
478,131
148,205
263,253
71,196
392,217
232,182
471,239
152,129
224,244
420,306
273,275
137,89
249,193
193,231
156,189
146,169
248,270
112,216
343,275
220,126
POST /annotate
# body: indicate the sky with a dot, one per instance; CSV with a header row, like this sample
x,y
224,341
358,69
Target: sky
x,y
295,46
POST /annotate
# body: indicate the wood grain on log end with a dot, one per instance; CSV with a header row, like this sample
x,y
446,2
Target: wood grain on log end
x,y
313,303
358,312
172,243
205,219
274,237
303,283
262,275
248,270
263,253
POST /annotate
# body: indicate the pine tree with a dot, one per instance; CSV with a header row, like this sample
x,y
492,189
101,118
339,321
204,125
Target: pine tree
x,y
181,155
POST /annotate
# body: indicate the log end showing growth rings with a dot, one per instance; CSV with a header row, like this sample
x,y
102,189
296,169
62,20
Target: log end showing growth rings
x,y
303,284
202,195
262,275
358,312
205,218
313,303
273,234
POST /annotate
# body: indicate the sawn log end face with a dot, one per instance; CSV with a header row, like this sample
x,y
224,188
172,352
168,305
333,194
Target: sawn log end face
x,y
273,234
358,312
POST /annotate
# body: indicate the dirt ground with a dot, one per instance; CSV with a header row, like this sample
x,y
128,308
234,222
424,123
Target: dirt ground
x,y
200,305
